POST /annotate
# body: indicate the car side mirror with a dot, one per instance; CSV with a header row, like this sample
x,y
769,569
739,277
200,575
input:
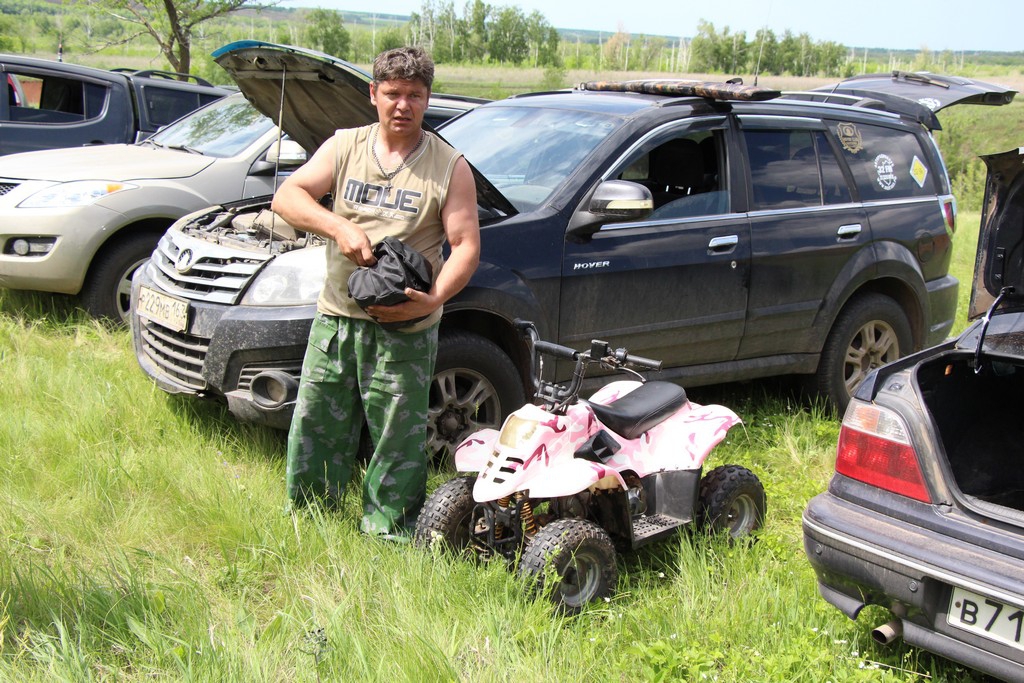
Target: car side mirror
x,y
612,201
286,153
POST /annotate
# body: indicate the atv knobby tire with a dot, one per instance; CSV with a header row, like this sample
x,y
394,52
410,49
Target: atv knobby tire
x,y
444,521
732,499
581,556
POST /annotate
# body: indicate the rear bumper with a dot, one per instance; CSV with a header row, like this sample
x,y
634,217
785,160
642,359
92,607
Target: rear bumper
x,y
863,557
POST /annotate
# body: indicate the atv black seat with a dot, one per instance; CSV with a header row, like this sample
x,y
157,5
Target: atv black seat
x,y
641,409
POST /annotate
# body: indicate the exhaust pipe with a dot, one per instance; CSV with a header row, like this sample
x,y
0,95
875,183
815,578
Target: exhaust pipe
x,y
887,633
272,389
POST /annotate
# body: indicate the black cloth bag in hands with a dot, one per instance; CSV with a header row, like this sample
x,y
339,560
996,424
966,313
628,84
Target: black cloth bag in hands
x,y
398,266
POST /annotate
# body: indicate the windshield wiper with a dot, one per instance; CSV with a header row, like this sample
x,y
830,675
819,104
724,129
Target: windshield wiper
x,y
185,148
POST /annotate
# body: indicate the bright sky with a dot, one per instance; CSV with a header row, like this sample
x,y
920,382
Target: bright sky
x,y
900,24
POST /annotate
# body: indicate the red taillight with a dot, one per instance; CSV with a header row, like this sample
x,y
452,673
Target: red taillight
x,y
949,212
875,448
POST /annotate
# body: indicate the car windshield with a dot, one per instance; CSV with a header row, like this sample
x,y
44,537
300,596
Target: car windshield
x,y
222,129
526,152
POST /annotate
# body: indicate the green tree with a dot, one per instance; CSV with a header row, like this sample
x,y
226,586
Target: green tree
x,y
476,16
170,23
508,33
326,32
538,32
389,39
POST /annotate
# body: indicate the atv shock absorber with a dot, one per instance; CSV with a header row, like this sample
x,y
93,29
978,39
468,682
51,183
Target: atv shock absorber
x,y
529,522
499,529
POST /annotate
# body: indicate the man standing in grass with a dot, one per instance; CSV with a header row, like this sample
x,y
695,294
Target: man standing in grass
x,y
389,178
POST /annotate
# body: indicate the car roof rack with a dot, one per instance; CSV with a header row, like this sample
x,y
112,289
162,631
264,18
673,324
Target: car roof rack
x,y
168,75
834,98
732,89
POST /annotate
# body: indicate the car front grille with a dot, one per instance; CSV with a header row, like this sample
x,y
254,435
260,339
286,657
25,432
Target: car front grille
x,y
7,187
179,355
207,272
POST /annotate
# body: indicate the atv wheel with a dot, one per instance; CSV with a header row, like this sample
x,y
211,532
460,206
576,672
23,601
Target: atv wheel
x,y
447,515
581,555
732,499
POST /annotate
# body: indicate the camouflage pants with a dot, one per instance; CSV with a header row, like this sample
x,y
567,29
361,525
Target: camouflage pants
x,y
355,371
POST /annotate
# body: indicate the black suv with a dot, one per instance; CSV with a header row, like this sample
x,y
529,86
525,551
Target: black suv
x,y
48,104
730,231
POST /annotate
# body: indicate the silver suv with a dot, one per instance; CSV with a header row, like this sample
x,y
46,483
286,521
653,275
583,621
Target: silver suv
x,y
82,220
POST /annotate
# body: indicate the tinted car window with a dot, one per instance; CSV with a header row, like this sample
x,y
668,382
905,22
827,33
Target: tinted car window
x,y
527,152
834,186
886,163
783,168
683,174
165,105
222,129
53,99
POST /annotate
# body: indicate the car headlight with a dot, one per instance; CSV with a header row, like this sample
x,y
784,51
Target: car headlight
x,y
292,279
78,193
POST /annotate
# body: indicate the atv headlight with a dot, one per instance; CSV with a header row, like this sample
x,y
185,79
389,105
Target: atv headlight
x,y
517,431
78,193
292,279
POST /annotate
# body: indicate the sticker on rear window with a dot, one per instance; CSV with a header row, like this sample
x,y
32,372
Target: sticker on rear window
x,y
918,171
849,136
931,103
886,170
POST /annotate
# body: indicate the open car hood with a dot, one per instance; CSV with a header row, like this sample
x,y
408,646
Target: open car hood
x,y
321,94
1000,260
919,94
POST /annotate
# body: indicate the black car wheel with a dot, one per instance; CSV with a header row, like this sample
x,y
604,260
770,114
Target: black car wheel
x,y
582,556
446,517
108,288
871,331
475,386
732,499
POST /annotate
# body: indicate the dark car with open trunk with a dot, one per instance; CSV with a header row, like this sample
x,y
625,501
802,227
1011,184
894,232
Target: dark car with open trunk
x,y
925,512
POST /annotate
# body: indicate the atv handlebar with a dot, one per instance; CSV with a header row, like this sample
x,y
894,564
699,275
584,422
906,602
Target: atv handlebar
x,y
556,350
600,352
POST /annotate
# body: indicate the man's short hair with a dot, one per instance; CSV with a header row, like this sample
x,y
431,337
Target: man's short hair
x,y
404,64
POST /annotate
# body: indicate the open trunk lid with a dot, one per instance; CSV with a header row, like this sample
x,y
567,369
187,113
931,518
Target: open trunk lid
x,y
919,95
1000,261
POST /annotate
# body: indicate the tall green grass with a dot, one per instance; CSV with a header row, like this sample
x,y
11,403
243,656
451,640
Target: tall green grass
x,y
146,537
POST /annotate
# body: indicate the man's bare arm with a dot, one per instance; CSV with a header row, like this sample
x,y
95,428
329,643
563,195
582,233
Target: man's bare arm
x,y
297,201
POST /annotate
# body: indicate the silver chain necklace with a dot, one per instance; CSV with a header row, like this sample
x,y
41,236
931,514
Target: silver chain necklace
x,y
388,175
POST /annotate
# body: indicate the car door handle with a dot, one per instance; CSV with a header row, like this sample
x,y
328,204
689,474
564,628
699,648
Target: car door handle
x,y
723,244
847,232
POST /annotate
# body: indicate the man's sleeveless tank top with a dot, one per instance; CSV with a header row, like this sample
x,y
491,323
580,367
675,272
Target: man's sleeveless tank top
x,y
410,211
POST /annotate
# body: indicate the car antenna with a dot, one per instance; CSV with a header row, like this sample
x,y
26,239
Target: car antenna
x,y
277,157
984,326
760,47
